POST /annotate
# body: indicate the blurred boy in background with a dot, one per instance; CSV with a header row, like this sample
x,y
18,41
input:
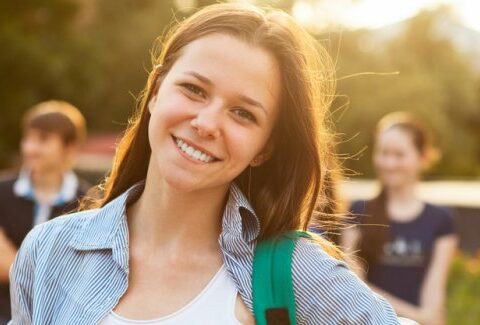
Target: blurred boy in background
x,y
45,187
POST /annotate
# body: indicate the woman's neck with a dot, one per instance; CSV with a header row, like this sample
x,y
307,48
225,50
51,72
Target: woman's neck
x,y
406,193
175,221
403,203
47,183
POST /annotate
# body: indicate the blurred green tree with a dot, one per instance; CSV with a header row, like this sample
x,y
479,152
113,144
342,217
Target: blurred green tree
x,y
95,54
38,48
434,80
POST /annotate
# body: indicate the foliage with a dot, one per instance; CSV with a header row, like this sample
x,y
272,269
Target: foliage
x,y
95,54
463,303
434,80
38,51
91,53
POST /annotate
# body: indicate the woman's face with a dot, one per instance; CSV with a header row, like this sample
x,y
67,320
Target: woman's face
x,y
397,161
44,151
213,113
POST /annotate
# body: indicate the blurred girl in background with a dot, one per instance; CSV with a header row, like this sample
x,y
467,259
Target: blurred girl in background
x,y
409,259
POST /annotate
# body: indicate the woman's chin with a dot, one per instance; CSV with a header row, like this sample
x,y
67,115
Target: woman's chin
x,y
179,184
396,183
183,183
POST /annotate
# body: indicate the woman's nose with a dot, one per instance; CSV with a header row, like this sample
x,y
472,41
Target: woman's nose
x,y
207,122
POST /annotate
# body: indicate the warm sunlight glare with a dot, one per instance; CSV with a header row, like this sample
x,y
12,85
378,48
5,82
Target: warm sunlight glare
x,y
378,13
303,12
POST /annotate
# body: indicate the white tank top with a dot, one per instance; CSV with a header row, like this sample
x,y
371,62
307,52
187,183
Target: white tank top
x,y
215,304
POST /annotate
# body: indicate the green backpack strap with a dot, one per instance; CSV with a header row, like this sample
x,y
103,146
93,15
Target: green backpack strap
x,y
273,297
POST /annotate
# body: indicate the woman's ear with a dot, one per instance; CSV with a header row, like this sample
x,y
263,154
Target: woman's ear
x,y
257,161
265,155
71,152
429,158
156,87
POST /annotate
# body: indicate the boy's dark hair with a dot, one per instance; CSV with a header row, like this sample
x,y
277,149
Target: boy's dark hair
x,y
57,117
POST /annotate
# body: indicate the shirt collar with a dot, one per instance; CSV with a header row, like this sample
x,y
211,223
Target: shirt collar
x,y
69,188
23,187
108,229
239,217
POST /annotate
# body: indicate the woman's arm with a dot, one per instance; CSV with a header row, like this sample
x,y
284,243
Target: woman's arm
x,y
325,289
404,308
434,287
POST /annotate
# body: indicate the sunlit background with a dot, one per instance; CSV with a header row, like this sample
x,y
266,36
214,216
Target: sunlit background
x,y
378,13
415,55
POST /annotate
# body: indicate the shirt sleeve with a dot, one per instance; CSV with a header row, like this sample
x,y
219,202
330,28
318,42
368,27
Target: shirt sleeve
x,y
327,292
446,224
21,279
357,212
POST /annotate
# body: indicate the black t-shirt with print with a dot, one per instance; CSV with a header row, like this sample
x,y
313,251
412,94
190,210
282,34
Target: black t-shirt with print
x,y
406,255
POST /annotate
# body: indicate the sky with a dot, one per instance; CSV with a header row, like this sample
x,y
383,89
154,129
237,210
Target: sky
x,y
378,13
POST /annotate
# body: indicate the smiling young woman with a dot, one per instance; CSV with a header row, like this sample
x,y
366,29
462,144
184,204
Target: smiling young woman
x,y
228,146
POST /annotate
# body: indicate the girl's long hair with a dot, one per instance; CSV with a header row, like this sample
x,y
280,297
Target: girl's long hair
x,y
289,188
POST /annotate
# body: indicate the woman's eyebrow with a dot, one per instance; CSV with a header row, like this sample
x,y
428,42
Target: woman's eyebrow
x,y
253,102
199,77
244,98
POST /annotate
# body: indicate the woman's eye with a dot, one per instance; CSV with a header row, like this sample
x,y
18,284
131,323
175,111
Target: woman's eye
x,y
244,114
194,89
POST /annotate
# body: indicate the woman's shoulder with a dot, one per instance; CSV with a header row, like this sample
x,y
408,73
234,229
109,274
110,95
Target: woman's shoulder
x,y
58,231
83,230
312,263
325,288
357,211
46,244
358,206
438,211
7,180
442,217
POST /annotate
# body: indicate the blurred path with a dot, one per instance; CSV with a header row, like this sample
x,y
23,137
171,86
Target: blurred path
x,y
449,193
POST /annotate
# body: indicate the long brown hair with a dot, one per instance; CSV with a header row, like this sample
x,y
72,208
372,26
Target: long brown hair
x,y
285,189
375,232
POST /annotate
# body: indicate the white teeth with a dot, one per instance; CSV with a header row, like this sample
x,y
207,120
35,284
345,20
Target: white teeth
x,y
196,154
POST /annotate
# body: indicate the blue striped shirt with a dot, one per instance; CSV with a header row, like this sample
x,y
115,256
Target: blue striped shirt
x,y
74,270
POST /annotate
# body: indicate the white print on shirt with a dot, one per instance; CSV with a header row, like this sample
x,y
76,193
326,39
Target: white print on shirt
x,y
403,252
